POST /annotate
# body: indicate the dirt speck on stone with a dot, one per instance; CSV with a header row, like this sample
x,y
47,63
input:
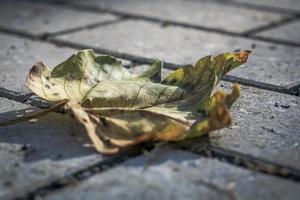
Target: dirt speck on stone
x,y
286,106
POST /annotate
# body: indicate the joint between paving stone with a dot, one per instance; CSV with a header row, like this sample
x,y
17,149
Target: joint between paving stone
x,y
260,85
271,25
274,41
227,192
256,164
82,174
295,90
203,148
46,36
16,96
27,98
264,8
18,33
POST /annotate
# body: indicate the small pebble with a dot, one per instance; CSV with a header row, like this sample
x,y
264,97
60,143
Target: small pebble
x,y
33,120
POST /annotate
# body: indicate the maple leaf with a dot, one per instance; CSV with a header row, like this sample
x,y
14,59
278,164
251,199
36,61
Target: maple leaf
x,y
120,109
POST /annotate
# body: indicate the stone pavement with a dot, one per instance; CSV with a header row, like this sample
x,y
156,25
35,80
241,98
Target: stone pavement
x,y
257,157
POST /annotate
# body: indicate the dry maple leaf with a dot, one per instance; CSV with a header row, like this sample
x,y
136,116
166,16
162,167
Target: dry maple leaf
x,y
120,109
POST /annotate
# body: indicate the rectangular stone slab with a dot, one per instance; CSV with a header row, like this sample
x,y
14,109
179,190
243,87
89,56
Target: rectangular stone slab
x,y
207,14
179,175
265,125
289,32
18,55
269,63
35,153
37,18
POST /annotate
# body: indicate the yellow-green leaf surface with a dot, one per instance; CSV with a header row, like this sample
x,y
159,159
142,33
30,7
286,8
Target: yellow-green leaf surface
x,y
120,109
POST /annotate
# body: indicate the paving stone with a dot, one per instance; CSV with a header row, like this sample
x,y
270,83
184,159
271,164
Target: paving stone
x,y
8,105
179,175
269,63
37,18
266,125
33,154
288,32
293,5
202,13
18,55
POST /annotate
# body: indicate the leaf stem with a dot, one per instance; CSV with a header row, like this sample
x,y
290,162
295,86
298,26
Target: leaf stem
x,y
34,115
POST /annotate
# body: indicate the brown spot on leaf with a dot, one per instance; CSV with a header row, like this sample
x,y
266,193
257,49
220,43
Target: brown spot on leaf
x,y
34,70
243,56
47,86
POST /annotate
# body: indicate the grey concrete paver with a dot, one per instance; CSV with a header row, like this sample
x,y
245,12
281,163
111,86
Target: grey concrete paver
x,y
8,105
266,125
35,153
203,13
269,63
179,175
288,32
18,55
37,18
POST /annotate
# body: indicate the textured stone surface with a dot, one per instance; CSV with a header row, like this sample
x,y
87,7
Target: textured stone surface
x,y
19,55
180,175
39,18
33,154
288,32
8,105
265,125
286,4
203,13
273,64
